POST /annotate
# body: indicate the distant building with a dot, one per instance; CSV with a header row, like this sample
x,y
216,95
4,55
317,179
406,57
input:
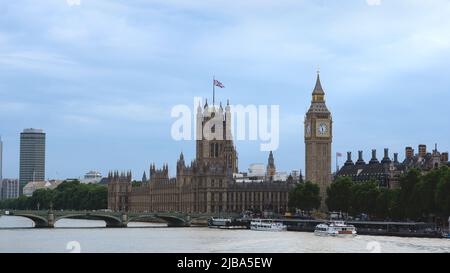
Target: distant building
x,y
31,187
280,176
256,170
9,189
104,181
388,171
425,160
271,169
144,178
211,183
92,177
32,157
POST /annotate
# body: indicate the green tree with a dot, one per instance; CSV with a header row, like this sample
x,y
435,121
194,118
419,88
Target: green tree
x,y
442,194
41,199
387,204
408,199
68,195
364,197
305,196
339,194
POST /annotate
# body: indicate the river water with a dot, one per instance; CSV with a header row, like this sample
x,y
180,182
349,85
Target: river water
x,y
69,235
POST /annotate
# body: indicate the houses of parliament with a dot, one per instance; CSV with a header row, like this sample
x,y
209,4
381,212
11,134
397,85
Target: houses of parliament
x,y
208,183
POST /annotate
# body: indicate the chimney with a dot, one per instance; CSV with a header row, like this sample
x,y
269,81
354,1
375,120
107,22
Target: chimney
x,y
444,157
349,159
360,158
396,158
374,157
386,159
422,150
409,152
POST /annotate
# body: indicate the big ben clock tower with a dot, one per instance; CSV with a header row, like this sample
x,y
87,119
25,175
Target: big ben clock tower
x,y
318,138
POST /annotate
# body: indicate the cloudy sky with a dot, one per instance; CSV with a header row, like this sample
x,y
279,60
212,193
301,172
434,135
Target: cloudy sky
x,y
101,77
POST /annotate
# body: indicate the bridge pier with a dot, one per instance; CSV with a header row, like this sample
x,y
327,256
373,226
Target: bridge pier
x,y
50,219
122,224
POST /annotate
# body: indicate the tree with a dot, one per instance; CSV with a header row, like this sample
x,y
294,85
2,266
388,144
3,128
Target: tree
x,y
443,193
364,197
305,196
68,195
387,204
339,194
407,198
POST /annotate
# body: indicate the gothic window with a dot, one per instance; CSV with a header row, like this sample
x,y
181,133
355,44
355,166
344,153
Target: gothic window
x,y
216,150
213,129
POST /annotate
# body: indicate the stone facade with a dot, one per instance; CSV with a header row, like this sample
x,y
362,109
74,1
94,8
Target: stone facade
x,y
205,185
387,172
318,139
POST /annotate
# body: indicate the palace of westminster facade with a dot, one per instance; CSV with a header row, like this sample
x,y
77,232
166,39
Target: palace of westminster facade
x,y
207,184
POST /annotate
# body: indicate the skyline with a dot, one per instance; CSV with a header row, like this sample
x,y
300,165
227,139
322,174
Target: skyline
x,y
106,105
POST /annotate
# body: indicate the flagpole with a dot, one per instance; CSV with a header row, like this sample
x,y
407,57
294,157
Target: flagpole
x,y
214,91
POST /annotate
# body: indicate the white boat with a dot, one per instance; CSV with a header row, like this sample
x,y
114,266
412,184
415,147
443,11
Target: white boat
x,y
335,228
218,222
267,225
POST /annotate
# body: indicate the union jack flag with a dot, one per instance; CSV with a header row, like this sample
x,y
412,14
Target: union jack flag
x,y
338,154
218,84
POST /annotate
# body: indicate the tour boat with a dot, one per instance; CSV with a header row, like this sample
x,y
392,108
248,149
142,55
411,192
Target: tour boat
x,y
226,223
267,225
335,228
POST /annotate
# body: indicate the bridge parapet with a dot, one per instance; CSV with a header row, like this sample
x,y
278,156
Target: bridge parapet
x,y
47,219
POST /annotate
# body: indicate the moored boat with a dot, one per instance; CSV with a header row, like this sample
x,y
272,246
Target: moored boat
x,y
226,223
266,225
335,228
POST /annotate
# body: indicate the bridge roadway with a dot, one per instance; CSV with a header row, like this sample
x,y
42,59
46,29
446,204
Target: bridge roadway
x,y
47,219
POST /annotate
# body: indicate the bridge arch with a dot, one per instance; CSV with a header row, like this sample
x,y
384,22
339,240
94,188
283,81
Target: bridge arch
x,y
111,221
172,221
39,221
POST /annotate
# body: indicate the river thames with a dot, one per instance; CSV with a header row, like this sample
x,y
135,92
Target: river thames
x,y
18,236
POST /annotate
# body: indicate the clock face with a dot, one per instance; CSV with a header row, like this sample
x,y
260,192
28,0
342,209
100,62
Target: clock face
x,y
323,128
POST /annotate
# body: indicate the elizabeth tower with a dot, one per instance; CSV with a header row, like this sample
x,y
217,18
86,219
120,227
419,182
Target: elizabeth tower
x,y
318,138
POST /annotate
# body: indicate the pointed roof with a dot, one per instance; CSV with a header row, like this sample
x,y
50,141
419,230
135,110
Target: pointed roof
x,y
318,90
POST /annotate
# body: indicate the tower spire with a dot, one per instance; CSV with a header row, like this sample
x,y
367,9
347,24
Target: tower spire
x,y
318,94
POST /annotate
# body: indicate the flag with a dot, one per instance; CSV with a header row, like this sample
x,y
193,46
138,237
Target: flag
x,y
218,84
338,154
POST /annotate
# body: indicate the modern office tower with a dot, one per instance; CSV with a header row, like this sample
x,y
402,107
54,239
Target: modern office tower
x,y
32,156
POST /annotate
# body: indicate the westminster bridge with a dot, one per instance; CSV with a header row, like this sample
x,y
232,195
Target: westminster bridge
x,y
48,218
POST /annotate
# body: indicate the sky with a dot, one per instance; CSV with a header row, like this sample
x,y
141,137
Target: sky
x,y
101,77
